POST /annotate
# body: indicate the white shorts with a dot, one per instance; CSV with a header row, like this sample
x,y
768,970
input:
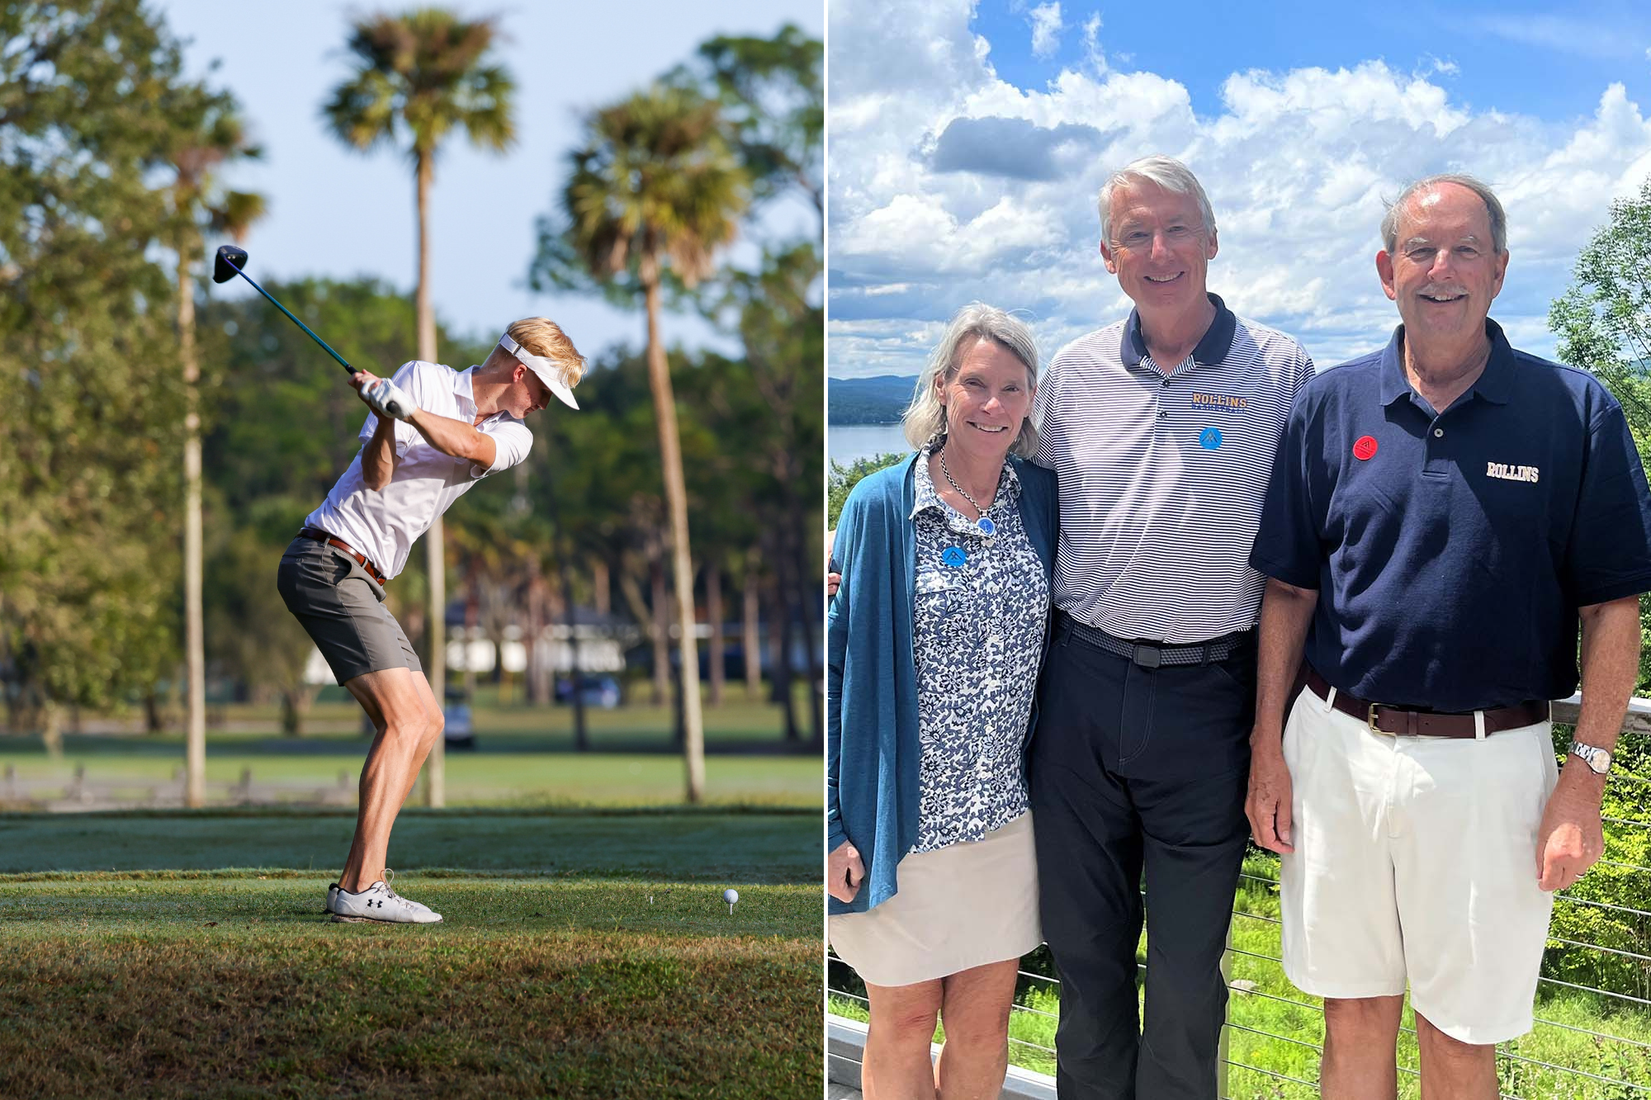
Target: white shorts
x,y
1415,857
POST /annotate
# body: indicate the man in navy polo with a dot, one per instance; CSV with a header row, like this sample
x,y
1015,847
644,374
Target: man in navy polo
x,y
1162,428
1443,515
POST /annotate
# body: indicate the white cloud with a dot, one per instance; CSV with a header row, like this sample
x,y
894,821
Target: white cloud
x,y
1046,29
1597,39
1092,45
1296,163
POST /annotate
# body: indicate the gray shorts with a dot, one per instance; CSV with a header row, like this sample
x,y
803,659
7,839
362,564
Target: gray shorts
x,y
343,610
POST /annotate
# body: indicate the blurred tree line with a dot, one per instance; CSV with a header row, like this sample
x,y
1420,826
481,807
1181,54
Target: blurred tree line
x,y
99,190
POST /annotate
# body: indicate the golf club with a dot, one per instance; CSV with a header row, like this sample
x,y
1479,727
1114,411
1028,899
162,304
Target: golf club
x,y
228,263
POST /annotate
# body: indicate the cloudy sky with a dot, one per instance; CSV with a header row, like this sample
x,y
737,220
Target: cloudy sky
x,y
968,141
338,213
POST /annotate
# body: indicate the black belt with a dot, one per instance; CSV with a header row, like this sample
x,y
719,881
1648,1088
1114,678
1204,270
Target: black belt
x,y
1151,654
361,559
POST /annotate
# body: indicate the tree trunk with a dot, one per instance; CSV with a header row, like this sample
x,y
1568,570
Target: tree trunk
x,y
435,766
295,706
599,577
810,612
194,640
661,628
51,735
472,616
581,739
676,500
537,681
424,314
753,634
779,636
713,611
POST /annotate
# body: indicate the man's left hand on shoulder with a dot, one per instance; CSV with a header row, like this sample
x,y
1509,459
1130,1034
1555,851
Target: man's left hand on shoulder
x,y
1571,838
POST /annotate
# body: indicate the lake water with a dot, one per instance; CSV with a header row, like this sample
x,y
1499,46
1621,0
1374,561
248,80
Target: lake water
x,y
847,442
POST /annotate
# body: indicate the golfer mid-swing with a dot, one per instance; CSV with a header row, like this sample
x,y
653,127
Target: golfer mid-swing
x,y
433,433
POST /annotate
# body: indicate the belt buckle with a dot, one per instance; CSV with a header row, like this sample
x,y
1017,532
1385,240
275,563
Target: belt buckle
x,y
1370,721
1147,656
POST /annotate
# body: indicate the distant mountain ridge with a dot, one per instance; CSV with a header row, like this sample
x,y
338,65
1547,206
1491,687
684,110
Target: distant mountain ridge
x,y
878,400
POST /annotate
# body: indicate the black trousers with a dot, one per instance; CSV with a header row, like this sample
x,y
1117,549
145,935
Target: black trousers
x,y
1134,770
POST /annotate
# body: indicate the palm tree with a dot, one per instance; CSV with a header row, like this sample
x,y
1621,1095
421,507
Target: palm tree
x,y
216,136
655,186
425,72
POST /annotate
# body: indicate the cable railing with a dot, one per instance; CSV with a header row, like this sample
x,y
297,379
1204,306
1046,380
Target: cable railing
x,y
1591,1038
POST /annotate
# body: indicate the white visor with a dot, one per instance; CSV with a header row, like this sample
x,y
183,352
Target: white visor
x,y
544,368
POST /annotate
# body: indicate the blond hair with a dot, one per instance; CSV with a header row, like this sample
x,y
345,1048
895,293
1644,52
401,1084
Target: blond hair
x,y
543,337
925,417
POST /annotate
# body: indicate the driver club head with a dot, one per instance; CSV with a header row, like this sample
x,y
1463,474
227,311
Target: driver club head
x,y
228,263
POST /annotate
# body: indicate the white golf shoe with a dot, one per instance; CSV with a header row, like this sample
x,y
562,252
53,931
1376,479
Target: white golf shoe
x,y
377,903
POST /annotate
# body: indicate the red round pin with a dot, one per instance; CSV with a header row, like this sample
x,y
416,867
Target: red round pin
x,y
1365,449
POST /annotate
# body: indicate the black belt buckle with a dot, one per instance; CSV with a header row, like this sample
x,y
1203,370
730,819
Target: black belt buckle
x,y
1147,656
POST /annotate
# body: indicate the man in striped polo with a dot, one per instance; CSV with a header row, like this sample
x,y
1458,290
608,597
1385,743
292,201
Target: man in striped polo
x,y
1444,515
1162,428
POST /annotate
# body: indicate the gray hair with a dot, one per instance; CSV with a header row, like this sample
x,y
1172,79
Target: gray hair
x,y
925,417
1165,172
1493,207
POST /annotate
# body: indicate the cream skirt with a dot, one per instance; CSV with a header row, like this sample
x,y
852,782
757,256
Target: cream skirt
x,y
958,907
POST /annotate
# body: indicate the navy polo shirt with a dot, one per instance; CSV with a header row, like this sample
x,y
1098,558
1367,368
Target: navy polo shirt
x,y
1451,550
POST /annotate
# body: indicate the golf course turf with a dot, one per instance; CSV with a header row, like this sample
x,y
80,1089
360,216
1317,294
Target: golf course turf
x,y
580,955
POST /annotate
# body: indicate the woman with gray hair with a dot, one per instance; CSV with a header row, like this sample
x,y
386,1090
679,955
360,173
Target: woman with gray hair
x,y
935,638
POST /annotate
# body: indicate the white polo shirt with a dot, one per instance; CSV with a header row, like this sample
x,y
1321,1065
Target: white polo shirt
x,y
384,525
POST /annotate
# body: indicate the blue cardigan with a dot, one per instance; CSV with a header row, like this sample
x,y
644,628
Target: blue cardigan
x,y
872,752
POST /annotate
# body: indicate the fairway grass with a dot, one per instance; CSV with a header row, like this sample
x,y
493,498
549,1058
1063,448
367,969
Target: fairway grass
x,y
136,771
767,846
581,954
237,986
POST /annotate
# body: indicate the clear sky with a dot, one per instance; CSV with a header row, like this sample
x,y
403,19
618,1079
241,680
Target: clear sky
x,y
339,214
968,141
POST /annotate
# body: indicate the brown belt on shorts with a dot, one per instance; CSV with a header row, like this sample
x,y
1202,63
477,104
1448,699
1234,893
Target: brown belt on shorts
x,y
1399,722
319,535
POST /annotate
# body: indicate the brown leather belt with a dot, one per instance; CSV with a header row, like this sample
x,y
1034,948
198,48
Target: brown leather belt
x,y
319,535
1399,722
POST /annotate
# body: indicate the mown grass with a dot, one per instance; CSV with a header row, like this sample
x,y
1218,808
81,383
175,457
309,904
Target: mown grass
x,y
237,986
473,779
685,845
738,722
1592,1040
603,964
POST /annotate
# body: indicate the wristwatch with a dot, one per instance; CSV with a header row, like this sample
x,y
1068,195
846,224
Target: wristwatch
x,y
1597,759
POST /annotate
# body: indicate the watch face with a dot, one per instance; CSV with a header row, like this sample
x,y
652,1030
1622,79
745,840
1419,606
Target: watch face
x,y
1597,759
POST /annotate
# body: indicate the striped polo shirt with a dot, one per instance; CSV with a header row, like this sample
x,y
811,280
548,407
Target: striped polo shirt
x,y
1163,474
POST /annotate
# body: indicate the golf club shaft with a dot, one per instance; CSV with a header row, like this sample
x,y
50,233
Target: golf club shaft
x,y
293,319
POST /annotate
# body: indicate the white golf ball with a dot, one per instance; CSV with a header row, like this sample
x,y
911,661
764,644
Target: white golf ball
x,y
730,895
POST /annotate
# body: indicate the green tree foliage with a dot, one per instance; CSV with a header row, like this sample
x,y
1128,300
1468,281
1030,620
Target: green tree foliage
x,y
771,95
844,478
90,438
655,187
1603,324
